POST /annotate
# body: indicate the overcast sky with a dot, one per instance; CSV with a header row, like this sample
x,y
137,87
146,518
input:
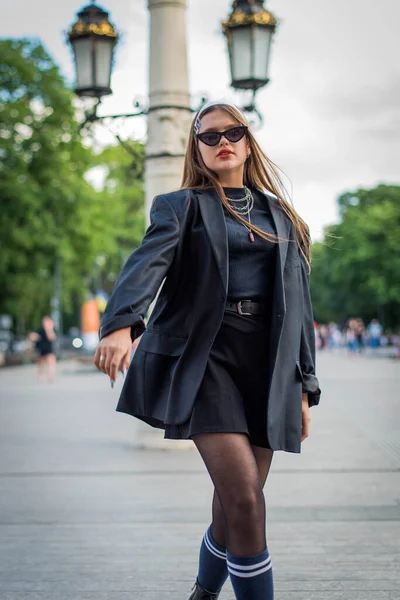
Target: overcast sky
x,y
331,110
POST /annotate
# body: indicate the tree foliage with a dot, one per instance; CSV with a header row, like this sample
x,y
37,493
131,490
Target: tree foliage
x,y
123,199
49,210
356,272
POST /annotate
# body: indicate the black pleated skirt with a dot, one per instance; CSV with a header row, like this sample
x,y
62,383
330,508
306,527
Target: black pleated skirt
x,y
233,395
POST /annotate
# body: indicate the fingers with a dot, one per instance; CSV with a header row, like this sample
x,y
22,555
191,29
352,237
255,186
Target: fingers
x,y
112,362
113,353
99,358
104,357
305,420
125,362
305,430
107,359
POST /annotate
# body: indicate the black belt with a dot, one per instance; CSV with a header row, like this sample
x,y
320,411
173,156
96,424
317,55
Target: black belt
x,y
246,307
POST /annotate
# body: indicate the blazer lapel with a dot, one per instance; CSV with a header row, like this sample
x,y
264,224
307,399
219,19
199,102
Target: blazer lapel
x,y
282,226
212,213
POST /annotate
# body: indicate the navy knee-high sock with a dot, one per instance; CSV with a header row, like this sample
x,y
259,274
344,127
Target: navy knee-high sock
x,y
213,571
251,576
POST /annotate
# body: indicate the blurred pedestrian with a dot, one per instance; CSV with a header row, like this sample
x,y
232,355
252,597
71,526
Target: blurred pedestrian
x,y
324,335
44,340
351,336
335,336
375,331
228,355
359,330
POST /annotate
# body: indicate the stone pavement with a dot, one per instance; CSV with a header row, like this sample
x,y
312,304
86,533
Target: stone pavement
x,y
87,514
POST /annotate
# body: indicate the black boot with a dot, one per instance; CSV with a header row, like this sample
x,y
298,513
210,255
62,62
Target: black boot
x,y
199,593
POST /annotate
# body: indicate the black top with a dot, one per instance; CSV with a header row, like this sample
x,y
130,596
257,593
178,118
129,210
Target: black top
x,y
44,345
251,264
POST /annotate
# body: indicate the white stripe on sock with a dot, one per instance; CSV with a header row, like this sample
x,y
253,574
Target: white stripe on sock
x,y
254,574
212,544
249,567
214,551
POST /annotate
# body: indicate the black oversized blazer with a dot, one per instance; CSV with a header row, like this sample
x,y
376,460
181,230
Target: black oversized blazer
x,y
186,244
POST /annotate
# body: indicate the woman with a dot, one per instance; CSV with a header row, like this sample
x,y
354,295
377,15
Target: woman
x,y
44,344
227,358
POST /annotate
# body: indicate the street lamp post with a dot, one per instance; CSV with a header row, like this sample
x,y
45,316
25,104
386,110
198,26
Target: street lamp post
x,y
93,39
249,30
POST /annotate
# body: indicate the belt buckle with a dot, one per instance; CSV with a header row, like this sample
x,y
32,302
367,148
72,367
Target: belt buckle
x,y
240,310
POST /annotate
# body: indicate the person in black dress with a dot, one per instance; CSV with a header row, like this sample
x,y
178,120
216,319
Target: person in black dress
x,y
44,340
228,355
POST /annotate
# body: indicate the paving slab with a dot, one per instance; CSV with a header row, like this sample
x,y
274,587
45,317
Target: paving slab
x,y
94,505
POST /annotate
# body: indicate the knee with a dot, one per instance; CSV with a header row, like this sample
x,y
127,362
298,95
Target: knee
x,y
246,506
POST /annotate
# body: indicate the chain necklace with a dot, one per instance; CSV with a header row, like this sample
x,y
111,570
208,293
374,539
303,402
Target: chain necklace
x,y
246,208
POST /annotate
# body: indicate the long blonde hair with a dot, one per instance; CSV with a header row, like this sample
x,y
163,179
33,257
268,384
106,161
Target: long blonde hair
x,y
259,173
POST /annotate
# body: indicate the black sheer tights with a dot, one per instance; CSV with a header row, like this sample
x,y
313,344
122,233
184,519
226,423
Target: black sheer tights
x,y
238,471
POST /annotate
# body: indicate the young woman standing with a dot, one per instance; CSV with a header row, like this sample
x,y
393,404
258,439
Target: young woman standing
x,y
227,358
44,344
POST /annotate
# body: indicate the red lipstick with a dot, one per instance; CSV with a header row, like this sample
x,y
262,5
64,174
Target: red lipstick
x,y
224,153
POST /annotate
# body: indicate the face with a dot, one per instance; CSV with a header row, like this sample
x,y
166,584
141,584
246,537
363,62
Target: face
x,y
225,156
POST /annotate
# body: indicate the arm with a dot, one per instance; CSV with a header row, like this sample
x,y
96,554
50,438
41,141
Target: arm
x,y
51,334
143,272
307,345
136,288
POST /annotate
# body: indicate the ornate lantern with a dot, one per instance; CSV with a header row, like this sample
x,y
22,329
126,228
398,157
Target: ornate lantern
x,y
93,39
249,30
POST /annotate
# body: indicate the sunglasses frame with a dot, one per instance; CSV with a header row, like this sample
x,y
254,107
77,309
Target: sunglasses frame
x,y
222,134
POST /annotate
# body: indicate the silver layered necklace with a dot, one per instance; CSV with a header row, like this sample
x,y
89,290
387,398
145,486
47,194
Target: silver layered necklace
x,y
243,206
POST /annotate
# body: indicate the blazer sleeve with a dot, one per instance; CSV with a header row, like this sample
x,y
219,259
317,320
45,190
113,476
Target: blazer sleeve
x,y
307,345
143,273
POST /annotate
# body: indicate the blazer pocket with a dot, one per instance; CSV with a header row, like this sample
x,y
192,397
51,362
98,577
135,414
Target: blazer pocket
x,y
299,372
162,343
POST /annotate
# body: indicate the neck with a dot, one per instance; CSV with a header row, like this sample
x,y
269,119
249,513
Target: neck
x,y
232,179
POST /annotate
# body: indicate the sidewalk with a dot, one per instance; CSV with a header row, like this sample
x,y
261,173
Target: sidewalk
x,y
86,514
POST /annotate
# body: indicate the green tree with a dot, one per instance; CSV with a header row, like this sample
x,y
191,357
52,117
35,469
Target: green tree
x,y
122,197
50,213
357,271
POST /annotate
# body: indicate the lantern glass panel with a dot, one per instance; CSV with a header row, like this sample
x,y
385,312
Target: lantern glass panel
x,y
241,49
104,53
83,60
262,44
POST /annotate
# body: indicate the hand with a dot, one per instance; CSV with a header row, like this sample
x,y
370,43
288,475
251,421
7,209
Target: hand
x,y
305,417
114,351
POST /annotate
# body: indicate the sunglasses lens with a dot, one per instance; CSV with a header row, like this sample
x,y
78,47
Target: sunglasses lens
x,y
210,139
235,134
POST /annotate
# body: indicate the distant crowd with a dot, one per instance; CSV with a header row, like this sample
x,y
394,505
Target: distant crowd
x,y
356,337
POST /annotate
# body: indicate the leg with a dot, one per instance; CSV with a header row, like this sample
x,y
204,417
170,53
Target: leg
x,y
213,571
51,366
263,458
231,463
41,368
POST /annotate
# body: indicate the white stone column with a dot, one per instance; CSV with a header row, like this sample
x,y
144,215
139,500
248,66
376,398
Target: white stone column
x,y
169,101
167,129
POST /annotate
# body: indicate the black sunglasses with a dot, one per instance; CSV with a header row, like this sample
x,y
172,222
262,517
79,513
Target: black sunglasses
x,y
212,138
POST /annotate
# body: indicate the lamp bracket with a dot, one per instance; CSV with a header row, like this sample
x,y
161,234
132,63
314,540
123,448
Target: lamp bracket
x,y
91,116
